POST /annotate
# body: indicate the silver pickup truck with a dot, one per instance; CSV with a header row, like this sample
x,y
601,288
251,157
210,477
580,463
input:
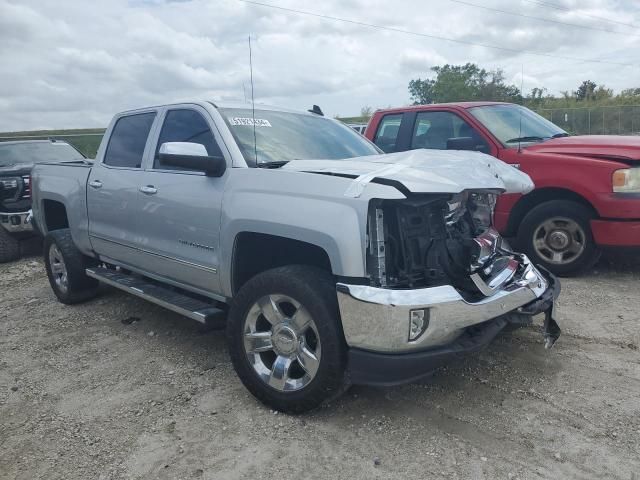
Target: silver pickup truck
x,y
331,263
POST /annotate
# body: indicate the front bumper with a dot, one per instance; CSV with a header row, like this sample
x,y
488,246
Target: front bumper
x,y
616,233
378,319
16,222
392,367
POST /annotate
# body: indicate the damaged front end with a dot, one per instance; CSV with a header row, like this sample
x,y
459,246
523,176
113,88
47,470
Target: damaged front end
x,y
442,281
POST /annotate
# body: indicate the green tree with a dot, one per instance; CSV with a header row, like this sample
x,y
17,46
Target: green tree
x,y
366,111
421,91
602,93
454,83
536,97
586,91
630,92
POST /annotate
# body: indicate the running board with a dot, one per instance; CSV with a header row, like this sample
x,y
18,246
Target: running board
x,y
181,303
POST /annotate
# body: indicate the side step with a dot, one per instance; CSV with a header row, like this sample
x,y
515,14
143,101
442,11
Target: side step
x,y
193,308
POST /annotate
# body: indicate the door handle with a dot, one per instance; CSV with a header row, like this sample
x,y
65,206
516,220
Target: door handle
x,y
95,184
149,190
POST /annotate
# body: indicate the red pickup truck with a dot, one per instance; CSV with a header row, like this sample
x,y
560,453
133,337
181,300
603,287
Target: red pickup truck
x,y
587,193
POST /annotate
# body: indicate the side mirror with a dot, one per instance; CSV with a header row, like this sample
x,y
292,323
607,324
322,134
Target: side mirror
x,y
191,156
466,143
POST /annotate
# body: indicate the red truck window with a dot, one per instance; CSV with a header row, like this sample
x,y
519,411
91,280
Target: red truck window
x,y
434,129
387,134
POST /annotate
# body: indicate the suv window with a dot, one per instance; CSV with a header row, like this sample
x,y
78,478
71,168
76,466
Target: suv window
x,y
186,125
38,151
387,134
434,129
128,138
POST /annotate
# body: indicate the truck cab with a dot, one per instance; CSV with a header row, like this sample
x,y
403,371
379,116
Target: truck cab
x,y
587,189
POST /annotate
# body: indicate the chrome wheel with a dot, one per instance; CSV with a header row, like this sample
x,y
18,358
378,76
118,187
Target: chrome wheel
x,y
58,269
559,240
281,342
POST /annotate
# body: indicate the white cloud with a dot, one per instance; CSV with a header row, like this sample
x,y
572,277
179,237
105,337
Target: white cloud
x,y
75,63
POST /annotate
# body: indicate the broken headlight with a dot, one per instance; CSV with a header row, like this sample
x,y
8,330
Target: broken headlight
x,y
482,207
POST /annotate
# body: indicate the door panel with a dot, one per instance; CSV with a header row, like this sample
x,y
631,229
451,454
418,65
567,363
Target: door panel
x,y
181,234
181,209
113,188
113,207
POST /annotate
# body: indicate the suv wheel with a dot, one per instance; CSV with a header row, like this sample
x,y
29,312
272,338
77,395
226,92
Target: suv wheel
x,y
65,267
557,234
9,246
285,339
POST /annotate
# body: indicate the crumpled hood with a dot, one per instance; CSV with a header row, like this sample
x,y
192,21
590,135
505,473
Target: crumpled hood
x,y
625,148
424,171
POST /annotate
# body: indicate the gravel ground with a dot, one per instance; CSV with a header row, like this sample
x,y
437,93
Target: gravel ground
x,y
119,388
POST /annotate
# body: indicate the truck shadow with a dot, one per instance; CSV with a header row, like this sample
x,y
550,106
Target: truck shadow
x,y
31,247
613,262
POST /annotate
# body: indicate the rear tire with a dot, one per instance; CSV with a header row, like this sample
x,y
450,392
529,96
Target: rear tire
x,y
557,235
65,266
293,357
9,246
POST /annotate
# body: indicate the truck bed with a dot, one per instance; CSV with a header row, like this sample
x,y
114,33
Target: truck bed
x,y
56,185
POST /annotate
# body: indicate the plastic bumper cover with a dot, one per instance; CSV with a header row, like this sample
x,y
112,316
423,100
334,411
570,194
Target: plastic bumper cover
x,y
616,233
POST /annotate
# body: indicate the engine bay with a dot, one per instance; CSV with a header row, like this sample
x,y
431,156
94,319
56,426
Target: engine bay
x,y
428,240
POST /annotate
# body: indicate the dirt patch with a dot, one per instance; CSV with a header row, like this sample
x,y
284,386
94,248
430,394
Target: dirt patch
x,y
89,392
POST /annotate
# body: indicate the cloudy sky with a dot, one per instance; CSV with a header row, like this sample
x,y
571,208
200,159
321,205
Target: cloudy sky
x,y
73,63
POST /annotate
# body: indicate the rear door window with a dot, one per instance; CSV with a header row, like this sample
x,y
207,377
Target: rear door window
x,y
387,135
128,140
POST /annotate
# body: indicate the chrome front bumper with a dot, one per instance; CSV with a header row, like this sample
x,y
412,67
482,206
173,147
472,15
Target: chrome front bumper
x,y
378,319
16,222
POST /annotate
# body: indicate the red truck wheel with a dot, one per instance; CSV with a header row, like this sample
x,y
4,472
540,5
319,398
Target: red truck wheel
x,y
557,234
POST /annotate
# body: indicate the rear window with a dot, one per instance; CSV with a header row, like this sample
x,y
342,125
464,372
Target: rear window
x,y
128,139
37,152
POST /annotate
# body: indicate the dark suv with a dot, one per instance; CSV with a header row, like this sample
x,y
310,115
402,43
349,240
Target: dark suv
x,y
16,161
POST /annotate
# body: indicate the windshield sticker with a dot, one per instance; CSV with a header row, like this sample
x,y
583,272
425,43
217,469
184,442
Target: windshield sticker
x,y
249,122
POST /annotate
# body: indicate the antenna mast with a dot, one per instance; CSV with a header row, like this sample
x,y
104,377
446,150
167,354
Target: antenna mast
x,y
253,107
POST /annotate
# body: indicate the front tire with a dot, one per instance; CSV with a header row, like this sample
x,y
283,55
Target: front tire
x,y
65,266
285,339
557,235
9,246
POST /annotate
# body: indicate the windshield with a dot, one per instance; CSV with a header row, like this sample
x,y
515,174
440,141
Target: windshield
x,y
504,122
285,136
37,152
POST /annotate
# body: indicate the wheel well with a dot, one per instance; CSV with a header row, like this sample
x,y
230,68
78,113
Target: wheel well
x,y
254,253
535,198
55,215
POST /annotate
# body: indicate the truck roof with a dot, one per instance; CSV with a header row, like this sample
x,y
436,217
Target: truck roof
x,y
463,105
49,140
236,104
